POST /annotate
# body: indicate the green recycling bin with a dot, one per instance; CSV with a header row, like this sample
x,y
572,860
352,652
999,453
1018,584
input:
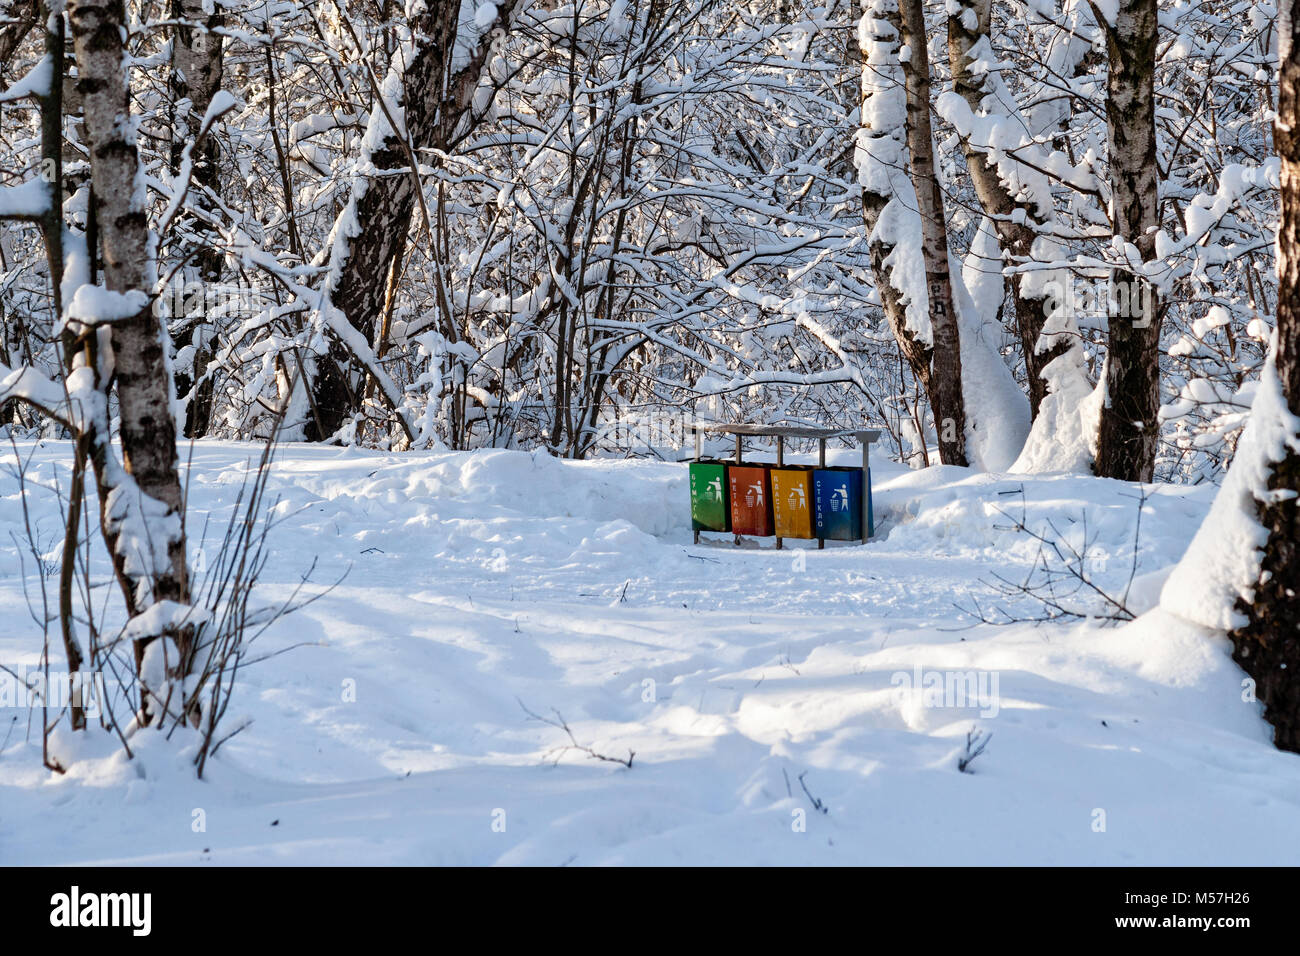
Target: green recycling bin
x,y
710,500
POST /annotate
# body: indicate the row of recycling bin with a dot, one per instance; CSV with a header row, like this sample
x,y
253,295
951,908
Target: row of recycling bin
x,y
788,501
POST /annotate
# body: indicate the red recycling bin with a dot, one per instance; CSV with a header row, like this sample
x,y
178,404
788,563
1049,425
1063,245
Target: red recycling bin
x,y
751,500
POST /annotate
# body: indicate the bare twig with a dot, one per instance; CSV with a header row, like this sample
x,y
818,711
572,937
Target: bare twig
x,y
559,722
816,804
976,741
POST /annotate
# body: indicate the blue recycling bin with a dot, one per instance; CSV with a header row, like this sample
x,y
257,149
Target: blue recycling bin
x,y
837,504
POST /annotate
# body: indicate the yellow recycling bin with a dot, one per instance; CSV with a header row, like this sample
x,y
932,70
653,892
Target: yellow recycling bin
x,y
792,502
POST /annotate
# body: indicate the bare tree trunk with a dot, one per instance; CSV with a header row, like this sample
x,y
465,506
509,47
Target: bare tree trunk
x,y
1268,647
1013,218
52,232
435,99
1130,430
197,67
144,501
946,398
17,17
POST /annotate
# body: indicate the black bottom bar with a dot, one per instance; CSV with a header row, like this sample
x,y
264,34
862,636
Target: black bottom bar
x,y
337,907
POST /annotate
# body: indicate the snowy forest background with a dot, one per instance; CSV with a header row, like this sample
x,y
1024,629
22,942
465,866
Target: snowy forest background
x,y
629,208
1038,240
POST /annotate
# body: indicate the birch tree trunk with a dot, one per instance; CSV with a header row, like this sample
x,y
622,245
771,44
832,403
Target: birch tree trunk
x,y
946,398
1268,646
141,505
881,159
1130,431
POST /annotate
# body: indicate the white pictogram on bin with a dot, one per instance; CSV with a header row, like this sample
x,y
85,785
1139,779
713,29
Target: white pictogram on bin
x,y
754,496
796,499
714,489
840,498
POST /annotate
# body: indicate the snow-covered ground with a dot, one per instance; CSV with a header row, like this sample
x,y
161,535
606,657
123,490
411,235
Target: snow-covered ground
x,y
755,686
